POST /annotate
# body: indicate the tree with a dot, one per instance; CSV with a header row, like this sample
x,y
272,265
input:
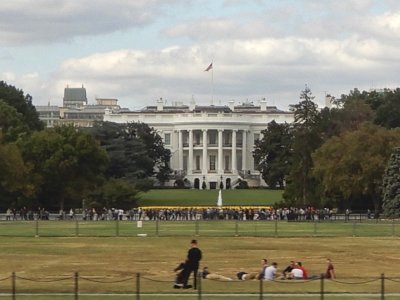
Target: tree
x,y
301,184
351,166
387,114
391,186
66,164
12,124
23,104
272,153
136,151
14,174
116,192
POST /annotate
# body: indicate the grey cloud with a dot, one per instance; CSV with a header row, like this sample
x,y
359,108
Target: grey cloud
x,y
42,21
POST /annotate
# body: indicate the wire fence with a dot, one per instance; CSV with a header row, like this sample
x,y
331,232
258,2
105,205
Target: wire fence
x,y
223,228
138,286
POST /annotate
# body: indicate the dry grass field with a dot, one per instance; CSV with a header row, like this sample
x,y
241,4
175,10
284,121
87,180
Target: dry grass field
x,y
110,264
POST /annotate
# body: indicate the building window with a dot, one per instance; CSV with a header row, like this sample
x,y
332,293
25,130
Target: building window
x,y
227,163
167,139
197,138
197,163
212,162
227,139
185,162
212,138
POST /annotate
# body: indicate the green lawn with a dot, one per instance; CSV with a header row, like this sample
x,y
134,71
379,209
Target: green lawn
x,y
109,265
223,228
186,197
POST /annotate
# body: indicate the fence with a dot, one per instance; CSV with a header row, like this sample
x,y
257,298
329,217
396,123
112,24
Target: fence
x,y
262,228
137,286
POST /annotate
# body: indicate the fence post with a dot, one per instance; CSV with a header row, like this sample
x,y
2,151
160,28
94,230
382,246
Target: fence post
x,y
261,289
322,286
315,228
393,228
276,227
382,286
199,285
37,228
137,286
117,226
157,227
76,285
13,285
237,228
76,227
196,228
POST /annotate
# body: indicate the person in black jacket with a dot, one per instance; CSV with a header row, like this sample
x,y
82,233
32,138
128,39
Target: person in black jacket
x,y
192,264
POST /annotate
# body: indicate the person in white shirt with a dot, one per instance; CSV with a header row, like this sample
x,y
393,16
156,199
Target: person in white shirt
x,y
270,272
297,273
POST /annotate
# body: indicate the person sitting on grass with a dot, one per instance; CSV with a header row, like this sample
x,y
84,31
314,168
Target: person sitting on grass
x,y
286,272
180,278
213,276
298,272
270,272
254,275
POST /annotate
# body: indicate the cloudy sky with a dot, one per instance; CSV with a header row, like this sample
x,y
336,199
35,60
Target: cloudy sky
x,y
140,50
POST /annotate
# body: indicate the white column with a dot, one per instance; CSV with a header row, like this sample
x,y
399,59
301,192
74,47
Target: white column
x,y
180,150
234,159
244,150
220,152
205,152
190,158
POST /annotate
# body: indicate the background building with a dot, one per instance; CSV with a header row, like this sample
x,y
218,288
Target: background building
x,y
76,110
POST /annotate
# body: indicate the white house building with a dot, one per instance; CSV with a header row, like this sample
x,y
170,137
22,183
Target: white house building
x,y
210,144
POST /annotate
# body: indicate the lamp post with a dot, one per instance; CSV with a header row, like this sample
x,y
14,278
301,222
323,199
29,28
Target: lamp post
x,y
204,184
221,183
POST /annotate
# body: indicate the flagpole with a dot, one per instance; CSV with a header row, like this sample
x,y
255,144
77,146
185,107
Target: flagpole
x,y
212,84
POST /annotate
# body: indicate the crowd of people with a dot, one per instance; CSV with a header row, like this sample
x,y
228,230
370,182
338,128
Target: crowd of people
x,y
180,214
294,271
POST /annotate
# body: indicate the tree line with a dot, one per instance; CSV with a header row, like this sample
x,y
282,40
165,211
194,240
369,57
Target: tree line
x,y
68,167
346,156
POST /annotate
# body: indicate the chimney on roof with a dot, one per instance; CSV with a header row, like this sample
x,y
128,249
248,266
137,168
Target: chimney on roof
x,y
231,105
328,101
160,104
263,104
192,104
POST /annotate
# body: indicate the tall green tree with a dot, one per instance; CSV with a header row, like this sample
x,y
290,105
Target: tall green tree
x,y
391,186
66,164
14,177
301,184
23,104
12,124
350,167
272,153
136,151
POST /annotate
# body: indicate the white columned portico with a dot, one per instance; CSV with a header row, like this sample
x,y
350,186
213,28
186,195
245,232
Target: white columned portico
x,y
244,150
180,150
204,171
220,156
234,159
190,159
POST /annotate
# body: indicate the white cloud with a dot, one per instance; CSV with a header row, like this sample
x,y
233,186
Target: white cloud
x,y
252,69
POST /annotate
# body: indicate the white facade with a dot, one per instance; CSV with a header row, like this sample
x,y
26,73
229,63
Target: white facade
x,y
208,143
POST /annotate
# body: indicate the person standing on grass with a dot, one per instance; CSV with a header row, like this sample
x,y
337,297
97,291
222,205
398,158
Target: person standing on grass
x,y
330,271
193,261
